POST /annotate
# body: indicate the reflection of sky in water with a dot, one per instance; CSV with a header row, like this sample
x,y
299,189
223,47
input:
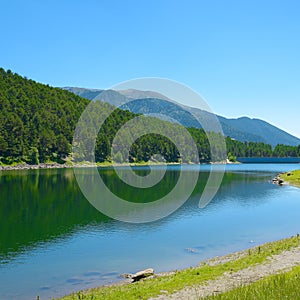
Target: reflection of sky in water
x,y
85,249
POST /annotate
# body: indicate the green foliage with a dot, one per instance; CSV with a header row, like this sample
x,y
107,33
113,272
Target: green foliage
x,y
118,157
286,151
145,147
35,116
231,157
248,149
33,156
252,149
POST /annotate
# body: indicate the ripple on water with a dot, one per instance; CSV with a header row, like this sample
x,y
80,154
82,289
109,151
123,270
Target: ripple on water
x,y
75,280
45,288
92,273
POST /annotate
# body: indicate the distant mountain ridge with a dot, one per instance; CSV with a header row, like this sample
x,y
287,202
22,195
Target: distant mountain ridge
x,y
149,102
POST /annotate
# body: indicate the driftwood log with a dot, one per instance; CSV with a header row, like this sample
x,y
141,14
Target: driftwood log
x,y
139,275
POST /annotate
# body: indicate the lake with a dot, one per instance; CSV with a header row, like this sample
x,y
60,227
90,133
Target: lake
x,y
53,241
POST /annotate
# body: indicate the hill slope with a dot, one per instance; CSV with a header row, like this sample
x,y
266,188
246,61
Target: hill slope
x,y
269,133
37,124
37,121
242,129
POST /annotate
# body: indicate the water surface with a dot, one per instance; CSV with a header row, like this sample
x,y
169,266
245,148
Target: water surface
x,y
53,241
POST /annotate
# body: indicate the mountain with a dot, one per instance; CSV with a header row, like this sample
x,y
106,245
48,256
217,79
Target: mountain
x,y
269,133
137,94
84,93
149,102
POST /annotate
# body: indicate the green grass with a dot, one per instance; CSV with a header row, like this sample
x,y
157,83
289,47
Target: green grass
x,y
281,286
292,177
188,277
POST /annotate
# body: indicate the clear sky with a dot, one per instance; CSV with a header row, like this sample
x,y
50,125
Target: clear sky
x,y
243,57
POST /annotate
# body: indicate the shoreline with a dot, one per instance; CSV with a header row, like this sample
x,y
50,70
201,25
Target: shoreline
x,y
53,165
45,166
34,167
226,272
291,178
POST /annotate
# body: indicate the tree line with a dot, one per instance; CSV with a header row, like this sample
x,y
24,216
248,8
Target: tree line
x,y
253,149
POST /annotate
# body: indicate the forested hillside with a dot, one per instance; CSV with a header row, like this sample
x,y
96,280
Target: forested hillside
x,y
251,149
37,124
37,121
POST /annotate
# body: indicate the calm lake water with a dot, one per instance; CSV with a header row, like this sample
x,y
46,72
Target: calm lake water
x,y
53,241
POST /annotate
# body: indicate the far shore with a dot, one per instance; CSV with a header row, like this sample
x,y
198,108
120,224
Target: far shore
x,y
54,165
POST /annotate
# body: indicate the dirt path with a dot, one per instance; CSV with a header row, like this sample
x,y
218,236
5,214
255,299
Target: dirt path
x,y
275,264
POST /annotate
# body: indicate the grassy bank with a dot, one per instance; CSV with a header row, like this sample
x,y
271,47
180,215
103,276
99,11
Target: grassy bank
x,y
188,277
293,177
281,286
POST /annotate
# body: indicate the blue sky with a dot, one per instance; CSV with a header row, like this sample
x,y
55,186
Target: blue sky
x,y
243,57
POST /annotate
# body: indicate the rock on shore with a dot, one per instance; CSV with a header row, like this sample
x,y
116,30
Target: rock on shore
x,y
34,167
278,180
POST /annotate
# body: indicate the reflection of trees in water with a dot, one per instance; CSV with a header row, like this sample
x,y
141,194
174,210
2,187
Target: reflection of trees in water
x,y
245,188
141,195
41,205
